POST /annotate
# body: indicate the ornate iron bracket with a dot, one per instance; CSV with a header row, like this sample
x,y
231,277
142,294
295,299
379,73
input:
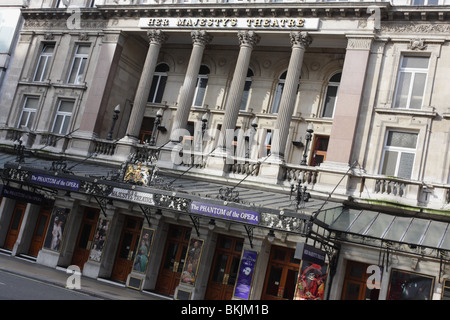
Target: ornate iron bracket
x,y
228,194
146,210
249,230
102,202
196,221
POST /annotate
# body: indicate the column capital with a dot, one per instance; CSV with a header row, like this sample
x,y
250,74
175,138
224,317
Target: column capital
x,y
302,39
201,37
248,38
156,36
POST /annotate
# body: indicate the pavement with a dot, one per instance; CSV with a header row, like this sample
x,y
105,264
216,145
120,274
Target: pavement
x,y
100,288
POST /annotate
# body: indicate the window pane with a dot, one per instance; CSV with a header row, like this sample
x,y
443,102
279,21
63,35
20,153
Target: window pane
x,y
401,98
417,90
83,49
32,103
201,88
57,125
330,101
389,163
415,62
406,165
66,106
277,99
74,71
402,139
161,87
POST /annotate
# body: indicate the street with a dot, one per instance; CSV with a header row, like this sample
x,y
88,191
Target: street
x,y
15,287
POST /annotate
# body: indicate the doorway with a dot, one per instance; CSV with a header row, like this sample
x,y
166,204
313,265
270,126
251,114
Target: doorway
x,y
319,151
37,241
14,225
85,236
173,259
281,276
224,268
127,248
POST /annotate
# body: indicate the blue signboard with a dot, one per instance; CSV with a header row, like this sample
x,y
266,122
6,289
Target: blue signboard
x,y
222,212
54,181
245,275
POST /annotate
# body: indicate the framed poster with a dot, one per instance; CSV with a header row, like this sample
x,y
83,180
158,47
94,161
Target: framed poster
x,y
404,285
143,250
245,274
55,231
311,281
98,243
192,261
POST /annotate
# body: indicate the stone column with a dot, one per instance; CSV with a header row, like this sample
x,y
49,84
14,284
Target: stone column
x,y
247,39
348,104
300,41
156,39
200,40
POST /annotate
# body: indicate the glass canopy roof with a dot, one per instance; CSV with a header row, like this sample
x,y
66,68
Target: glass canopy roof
x,y
408,230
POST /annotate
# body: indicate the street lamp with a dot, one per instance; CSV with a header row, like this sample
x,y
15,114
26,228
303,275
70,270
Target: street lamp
x,y
20,150
115,117
308,137
159,115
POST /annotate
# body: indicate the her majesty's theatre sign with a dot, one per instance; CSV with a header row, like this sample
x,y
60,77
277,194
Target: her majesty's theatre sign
x,y
232,23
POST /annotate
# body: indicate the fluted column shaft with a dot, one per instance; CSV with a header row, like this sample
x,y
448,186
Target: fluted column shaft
x,y
200,40
247,39
300,41
156,39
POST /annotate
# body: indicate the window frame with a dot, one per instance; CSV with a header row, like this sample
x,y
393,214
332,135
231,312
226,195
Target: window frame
x,y
84,57
324,104
400,151
201,77
159,87
47,63
278,93
29,111
413,71
246,92
64,115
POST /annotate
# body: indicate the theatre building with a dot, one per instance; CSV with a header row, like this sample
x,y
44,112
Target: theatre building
x,y
248,150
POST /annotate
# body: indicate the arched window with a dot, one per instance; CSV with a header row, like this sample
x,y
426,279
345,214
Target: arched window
x,y
278,93
246,93
200,88
331,96
158,83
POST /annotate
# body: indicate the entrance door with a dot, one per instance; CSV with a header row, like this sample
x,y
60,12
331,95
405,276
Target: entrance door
x,y
319,153
224,268
14,225
127,248
39,232
173,259
355,283
85,236
281,275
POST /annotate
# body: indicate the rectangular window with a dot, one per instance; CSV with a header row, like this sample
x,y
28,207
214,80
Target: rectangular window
x,y
200,90
157,88
43,66
78,64
411,82
245,94
399,154
62,117
29,109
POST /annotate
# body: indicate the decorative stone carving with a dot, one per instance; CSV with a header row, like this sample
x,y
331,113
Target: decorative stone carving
x,y
417,44
156,36
201,37
248,38
302,39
